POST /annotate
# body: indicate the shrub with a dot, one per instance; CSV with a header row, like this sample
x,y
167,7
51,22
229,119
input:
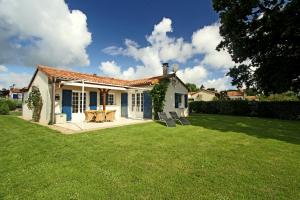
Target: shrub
x,y
35,103
273,109
158,94
4,109
11,104
19,104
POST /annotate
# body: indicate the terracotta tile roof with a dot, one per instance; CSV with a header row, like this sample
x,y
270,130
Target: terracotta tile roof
x,y
235,93
70,75
148,81
16,90
65,74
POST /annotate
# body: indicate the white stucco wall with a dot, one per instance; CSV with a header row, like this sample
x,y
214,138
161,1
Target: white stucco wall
x,y
170,99
203,96
41,81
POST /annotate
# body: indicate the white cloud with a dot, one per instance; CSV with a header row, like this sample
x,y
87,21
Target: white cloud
x,y
45,32
3,68
163,48
9,78
205,41
220,84
194,75
110,68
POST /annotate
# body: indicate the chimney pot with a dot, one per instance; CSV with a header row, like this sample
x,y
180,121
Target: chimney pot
x,y
165,69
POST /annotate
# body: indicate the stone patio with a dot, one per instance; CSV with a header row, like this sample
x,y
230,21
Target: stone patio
x,y
76,127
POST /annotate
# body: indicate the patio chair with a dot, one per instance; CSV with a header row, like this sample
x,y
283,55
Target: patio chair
x,y
110,115
168,121
182,120
100,116
89,115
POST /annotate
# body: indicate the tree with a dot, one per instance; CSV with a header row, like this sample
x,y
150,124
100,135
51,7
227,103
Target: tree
x,y
286,96
192,87
263,39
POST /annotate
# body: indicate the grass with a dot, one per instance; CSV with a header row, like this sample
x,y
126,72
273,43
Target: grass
x,y
218,157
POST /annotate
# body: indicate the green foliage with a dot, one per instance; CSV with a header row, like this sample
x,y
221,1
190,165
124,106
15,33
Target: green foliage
x,y
192,87
12,104
4,108
274,109
266,33
158,94
251,91
286,96
35,103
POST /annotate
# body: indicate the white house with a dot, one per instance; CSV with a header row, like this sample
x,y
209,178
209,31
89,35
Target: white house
x,y
16,93
64,91
202,95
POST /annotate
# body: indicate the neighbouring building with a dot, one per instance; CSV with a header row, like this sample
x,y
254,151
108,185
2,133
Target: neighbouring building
x,y
236,95
202,95
16,93
65,91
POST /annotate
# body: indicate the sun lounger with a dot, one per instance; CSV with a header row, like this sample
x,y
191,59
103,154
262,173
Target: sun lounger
x,y
168,121
182,120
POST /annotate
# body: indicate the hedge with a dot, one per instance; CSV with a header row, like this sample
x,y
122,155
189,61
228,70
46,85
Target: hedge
x,y
269,109
4,108
12,104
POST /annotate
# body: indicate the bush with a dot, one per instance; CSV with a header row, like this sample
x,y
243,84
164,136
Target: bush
x,y
11,104
4,108
19,104
273,109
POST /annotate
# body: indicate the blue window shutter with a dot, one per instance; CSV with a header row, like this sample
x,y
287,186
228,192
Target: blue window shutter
x,y
176,100
185,100
147,105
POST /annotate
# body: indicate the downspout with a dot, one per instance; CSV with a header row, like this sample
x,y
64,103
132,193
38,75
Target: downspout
x,y
53,101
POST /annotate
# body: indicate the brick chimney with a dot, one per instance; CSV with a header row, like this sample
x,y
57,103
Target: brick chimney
x,y
165,69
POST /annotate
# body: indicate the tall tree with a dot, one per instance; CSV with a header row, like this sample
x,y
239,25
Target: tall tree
x,y
263,38
192,87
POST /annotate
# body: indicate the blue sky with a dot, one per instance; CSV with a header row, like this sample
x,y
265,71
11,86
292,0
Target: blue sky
x,y
89,36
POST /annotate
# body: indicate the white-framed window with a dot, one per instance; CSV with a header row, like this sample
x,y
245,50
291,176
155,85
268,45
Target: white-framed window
x,y
132,102
180,101
110,99
77,102
142,102
137,102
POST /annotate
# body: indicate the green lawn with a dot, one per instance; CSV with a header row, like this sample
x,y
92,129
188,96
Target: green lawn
x,y
218,157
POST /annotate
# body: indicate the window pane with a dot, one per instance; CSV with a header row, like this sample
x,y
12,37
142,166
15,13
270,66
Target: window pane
x,y
138,102
142,102
133,101
84,102
110,99
74,102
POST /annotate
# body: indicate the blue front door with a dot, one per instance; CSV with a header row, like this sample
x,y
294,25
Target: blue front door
x,y
124,105
93,100
147,106
67,103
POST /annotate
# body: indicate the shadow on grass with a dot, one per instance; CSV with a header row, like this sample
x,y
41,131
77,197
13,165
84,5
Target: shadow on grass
x,y
283,130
